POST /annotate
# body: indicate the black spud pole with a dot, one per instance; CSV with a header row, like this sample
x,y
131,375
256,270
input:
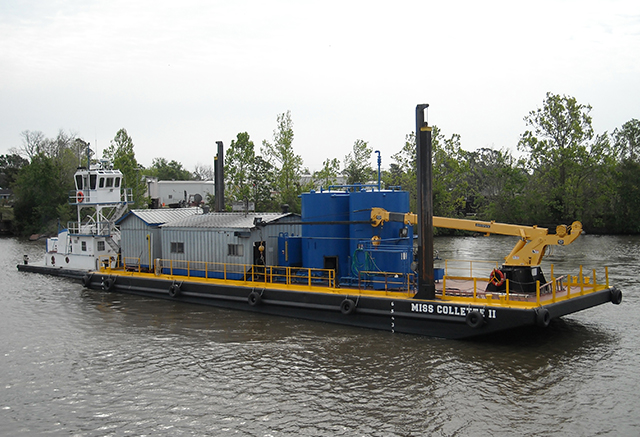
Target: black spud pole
x,y
426,284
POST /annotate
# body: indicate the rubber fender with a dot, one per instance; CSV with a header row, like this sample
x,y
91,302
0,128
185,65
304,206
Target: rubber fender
x,y
616,296
254,298
174,290
107,284
543,317
347,306
86,280
474,319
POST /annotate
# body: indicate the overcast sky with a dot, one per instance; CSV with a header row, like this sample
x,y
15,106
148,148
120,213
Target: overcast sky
x,y
179,76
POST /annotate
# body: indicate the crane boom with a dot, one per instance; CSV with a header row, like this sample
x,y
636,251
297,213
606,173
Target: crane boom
x,y
529,249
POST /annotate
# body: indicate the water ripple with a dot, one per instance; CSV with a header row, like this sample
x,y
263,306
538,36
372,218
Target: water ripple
x,y
88,363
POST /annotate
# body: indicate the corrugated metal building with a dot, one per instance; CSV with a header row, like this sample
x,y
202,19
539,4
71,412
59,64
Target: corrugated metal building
x,y
138,224
233,238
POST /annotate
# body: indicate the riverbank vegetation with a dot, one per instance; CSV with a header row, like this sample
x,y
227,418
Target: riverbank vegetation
x,y
561,171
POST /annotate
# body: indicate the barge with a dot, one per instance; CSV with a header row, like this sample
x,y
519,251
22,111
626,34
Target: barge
x,y
350,258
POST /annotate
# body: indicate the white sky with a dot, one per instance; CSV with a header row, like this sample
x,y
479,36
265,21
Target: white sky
x,y
181,75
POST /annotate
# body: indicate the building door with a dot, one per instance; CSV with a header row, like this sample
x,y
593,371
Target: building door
x,y
259,253
331,263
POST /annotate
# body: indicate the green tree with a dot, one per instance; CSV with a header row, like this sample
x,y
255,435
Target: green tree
x,y
41,196
627,140
450,181
497,183
168,170
262,183
626,199
10,166
328,175
357,164
120,152
239,169
287,165
559,157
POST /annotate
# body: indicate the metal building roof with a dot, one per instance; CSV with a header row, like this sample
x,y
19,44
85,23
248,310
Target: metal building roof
x,y
226,220
155,217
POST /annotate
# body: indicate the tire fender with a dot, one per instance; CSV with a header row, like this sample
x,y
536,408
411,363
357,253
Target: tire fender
x,y
616,296
543,317
254,298
347,306
86,280
107,284
174,290
474,319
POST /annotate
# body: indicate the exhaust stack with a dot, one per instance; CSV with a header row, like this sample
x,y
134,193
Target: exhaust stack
x,y
218,177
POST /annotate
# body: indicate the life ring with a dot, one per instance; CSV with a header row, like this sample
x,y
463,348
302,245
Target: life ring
x,y
347,306
474,319
254,298
543,317
174,290
107,284
80,197
616,296
496,277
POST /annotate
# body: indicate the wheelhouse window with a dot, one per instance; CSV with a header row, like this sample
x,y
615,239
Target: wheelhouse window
x,y
83,246
177,247
79,182
117,182
109,182
236,250
101,246
92,181
101,182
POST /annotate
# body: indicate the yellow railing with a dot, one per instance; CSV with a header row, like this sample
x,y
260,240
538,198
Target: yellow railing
x,y
387,281
557,289
229,271
469,268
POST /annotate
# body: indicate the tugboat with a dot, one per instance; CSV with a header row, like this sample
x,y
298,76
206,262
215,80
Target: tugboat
x,y
93,241
349,259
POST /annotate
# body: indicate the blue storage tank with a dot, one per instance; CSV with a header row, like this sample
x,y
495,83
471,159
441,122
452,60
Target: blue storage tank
x,y
394,252
325,243
333,240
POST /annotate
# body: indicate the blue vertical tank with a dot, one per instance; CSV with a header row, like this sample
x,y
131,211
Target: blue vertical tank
x,y
339,234
325,241
387,248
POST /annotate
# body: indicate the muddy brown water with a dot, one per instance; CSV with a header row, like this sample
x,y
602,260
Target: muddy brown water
x,y
78,362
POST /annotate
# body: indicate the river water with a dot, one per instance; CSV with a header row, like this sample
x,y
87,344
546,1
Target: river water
x,y
78,362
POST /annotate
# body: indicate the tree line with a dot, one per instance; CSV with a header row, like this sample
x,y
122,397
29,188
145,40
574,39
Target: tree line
x,y
563,171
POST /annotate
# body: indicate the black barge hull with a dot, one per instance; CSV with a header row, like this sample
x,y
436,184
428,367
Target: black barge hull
x,y
434,318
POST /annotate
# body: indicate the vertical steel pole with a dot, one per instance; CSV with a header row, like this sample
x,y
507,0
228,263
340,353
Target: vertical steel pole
x,y
219,178
426,283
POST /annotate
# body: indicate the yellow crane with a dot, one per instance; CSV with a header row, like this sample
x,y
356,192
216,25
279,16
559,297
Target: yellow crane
x,y
529,249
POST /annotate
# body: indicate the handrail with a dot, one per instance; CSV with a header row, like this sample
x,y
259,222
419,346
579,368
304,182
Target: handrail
x,y
556,290
242,272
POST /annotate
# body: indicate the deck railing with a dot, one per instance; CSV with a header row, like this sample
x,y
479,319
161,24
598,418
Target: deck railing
x,y
235,272
390,283
557,289
469,268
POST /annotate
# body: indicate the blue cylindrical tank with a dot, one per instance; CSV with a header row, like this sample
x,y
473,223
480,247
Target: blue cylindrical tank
x,y
325,241
395,250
